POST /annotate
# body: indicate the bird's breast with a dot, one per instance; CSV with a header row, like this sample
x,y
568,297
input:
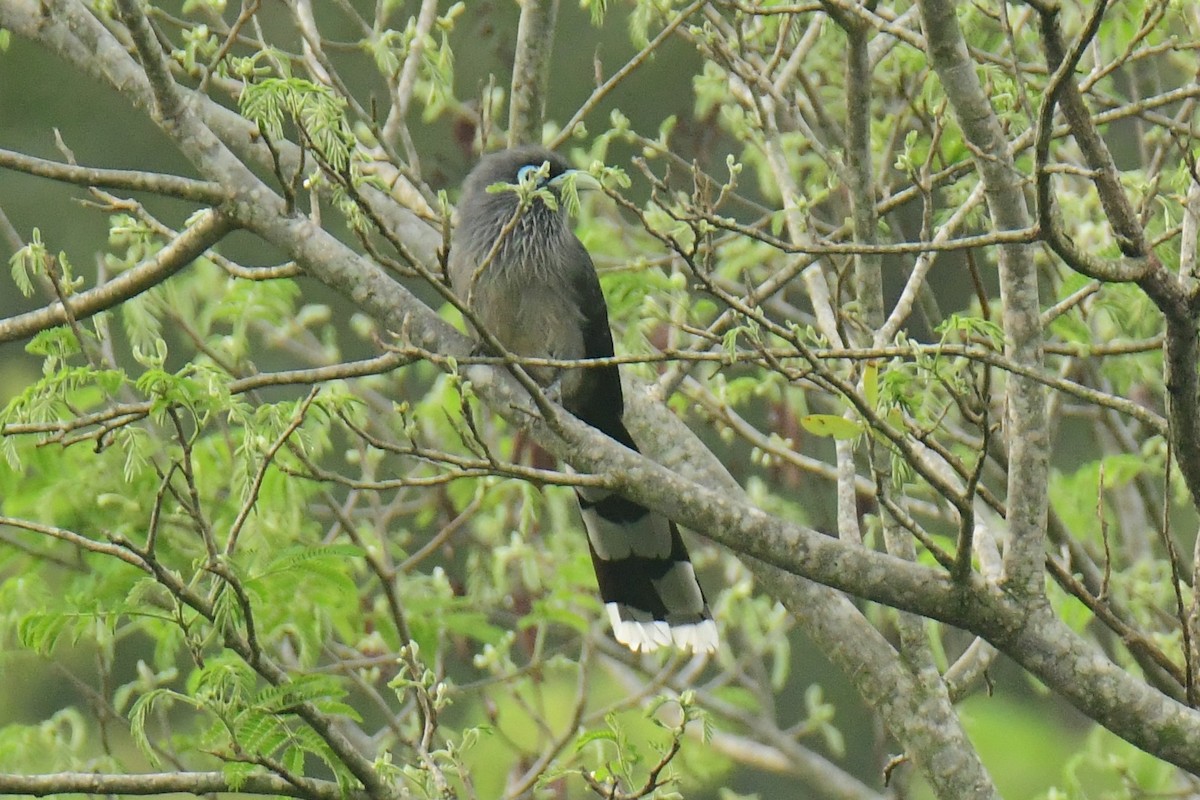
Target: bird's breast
x,y
533,315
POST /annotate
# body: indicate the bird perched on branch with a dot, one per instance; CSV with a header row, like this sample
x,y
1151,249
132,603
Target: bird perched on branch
x,y
530,283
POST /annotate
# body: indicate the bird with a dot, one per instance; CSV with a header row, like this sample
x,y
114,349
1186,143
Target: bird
x,y
529,281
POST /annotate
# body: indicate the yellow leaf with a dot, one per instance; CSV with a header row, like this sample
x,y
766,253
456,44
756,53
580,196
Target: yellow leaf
x,y
870,384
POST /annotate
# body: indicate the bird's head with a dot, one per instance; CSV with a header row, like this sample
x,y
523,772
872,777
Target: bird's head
x,y
501,182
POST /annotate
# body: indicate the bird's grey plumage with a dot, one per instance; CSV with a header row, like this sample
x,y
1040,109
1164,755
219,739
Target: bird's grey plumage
x,y
540,297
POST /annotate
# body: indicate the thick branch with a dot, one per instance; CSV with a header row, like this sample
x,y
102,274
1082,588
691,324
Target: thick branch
x,y
934,736
1120,212
931,738
183,250
1073,667
194,783
531,71
207,153
913,704
1061,86
1161,726
1052,652
78,38
1026,428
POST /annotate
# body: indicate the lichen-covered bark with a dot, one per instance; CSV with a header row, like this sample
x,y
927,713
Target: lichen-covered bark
x,y
531,71
921,716
1025,429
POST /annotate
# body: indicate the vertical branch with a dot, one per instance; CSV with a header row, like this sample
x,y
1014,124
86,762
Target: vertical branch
x,y
1192,623
927,684
1189,266
531,71
868,281
847,493
1025,423
1189,269
814,278
915,287
1117,208
868,284
1178,297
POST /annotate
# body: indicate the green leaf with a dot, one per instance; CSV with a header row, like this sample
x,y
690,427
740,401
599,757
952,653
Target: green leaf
x,y
293,760
261,733
57,342
604,735
40,632
141,710
598,8
870,383
236,773
315,109
298,557
28,261
969,327
831,426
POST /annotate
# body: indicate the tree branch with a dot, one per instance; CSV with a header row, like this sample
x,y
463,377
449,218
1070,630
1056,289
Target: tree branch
x,y
1179,302
204,192
1055,654
1026,429
195,783
183,250
531,71
640,58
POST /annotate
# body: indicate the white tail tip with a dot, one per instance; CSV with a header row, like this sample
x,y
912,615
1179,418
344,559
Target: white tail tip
x,y
646,637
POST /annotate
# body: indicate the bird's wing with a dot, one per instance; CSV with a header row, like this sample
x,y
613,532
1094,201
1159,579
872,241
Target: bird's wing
x,y
599,402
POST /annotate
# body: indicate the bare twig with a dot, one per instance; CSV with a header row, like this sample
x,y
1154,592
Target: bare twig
x,y
205,192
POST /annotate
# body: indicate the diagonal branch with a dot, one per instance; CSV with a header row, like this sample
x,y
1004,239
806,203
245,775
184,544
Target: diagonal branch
x,y
1062,87
201,146
1047,648
640,58
183,250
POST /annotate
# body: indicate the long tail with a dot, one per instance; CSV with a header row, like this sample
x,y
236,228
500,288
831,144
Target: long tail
x,y
642,566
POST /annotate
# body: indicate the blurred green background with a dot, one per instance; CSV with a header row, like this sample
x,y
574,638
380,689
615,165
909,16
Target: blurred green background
x,y
1029,741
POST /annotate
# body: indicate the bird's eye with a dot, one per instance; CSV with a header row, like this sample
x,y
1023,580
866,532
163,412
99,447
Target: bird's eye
x,y
526,171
